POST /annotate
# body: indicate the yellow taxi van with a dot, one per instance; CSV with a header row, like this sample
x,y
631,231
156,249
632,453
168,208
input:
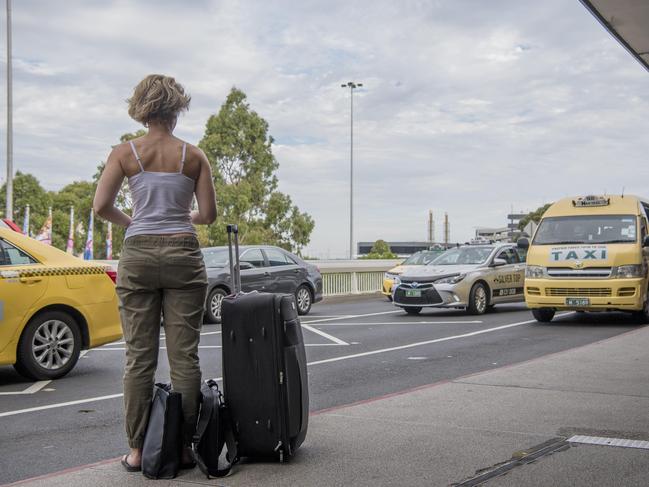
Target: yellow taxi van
x,y
588,254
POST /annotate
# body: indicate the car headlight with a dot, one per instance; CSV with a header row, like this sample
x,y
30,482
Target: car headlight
x,y
535,271
627,271
450,279
389,275
396,280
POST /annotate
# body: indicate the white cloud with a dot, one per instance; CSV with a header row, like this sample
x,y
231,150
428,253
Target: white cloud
x,y
466,108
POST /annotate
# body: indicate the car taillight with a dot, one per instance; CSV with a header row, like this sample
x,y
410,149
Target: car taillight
x,y
113,276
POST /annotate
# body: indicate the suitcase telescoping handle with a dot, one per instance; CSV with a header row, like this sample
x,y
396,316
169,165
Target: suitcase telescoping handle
x,y
235,266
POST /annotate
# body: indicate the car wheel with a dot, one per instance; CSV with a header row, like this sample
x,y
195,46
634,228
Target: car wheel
x,y
544,315
214,301
478,299
303,299
413,310
642,316
389,296
49,346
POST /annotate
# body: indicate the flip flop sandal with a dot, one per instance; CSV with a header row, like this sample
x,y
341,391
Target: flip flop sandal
x,y
128,467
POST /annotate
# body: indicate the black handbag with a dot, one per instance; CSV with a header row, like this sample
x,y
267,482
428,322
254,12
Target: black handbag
x,y
163,441
213,432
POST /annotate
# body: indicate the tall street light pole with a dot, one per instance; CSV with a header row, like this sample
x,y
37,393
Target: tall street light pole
x,y
10,169
351,85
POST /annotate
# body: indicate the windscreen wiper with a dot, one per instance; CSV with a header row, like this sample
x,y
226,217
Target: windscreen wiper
x,y
617,241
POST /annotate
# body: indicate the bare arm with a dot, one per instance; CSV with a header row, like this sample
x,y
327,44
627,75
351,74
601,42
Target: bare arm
x,y
108,186
205,196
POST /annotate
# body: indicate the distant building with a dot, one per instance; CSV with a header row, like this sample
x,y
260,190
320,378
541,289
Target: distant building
x,y
514,220
402,249
497,234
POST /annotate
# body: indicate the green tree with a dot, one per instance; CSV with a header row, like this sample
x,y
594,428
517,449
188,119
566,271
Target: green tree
x,y
28,191
239,149
534,216
380,250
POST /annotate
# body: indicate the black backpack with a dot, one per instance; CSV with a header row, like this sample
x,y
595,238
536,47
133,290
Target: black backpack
x,y
162,448
213,432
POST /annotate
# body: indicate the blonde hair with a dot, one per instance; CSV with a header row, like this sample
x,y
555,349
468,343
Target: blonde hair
x,y
157,98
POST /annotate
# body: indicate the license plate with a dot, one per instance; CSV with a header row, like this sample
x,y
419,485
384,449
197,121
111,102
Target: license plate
x,y
577,302
413,293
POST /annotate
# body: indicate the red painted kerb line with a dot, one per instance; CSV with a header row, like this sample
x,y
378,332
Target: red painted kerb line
x,y
357,403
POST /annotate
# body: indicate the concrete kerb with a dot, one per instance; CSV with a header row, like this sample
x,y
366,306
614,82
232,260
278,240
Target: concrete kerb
x,y
454,419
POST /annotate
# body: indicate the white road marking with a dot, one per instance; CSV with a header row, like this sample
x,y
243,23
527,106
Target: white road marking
x,y
318,362
35,387
325,335
404,323
418,344
348,317
417,358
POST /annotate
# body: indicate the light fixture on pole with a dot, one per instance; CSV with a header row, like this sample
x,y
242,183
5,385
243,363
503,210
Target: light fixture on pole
x,y
10,169
351,85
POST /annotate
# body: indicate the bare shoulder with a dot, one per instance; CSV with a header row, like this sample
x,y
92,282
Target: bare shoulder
x,y
195,161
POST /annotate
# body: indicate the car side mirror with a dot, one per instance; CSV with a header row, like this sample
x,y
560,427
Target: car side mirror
x,y
523,243
246,266
499,262
645,241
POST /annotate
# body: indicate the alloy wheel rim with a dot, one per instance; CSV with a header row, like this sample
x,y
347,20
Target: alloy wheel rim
x,y
215,305
53,344
480,299
303,299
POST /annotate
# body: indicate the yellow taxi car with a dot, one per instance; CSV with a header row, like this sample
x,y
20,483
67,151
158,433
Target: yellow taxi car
x,y
420,258
52,305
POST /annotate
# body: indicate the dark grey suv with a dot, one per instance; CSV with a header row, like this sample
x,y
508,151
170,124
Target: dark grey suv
x,y
263,268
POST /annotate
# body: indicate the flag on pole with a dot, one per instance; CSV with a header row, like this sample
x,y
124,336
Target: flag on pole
x,y
109,242
88,253
26,221
45,235
70,247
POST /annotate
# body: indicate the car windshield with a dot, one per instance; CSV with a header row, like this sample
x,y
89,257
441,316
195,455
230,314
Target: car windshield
x,y
464,256
216,257
421,258
593,229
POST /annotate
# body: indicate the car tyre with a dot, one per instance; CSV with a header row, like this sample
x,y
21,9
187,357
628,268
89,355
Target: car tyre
x,y
413,310
213,306
478,299
303,299
543,315
642,316
49,346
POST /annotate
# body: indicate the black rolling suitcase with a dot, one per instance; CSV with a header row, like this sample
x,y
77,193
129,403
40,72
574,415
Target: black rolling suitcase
x,y
264,369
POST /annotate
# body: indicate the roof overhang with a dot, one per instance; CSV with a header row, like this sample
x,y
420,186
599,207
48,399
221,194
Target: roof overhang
x,y
627,21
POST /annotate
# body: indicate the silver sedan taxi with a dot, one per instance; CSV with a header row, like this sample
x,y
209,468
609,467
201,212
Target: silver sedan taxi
x,y
474,277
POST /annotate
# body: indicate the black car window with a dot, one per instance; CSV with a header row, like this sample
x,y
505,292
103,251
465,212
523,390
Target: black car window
x,y
508,255
277,258
254,257
10,255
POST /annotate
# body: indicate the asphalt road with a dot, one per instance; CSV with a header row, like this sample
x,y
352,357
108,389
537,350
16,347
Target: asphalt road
x,y
357,349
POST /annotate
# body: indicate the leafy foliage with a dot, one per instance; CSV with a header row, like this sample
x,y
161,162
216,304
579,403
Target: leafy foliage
x,y
380,250
239,148
534,216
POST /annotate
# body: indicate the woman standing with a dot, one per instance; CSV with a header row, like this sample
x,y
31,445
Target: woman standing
x,y
161,267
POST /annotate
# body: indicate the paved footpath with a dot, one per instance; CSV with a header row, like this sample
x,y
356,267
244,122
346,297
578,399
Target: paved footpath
x,y
513,420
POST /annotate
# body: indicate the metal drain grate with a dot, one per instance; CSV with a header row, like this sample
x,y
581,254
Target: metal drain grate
x,y
600,440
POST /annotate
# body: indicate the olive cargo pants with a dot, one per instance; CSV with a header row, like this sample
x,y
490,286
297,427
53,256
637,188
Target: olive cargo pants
x,y
160,274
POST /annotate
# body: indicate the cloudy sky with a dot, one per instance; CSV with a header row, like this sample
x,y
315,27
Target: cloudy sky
x,y
468,107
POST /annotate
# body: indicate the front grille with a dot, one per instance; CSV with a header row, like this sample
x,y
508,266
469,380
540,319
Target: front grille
x,y
588,273
426,285
533,291
428,296
578,291
626,292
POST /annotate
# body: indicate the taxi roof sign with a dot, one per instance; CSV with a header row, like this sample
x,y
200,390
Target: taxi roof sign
x,y
591,200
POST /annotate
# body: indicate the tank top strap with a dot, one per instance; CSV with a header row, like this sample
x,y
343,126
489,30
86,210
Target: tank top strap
x,y
137,156
182,159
